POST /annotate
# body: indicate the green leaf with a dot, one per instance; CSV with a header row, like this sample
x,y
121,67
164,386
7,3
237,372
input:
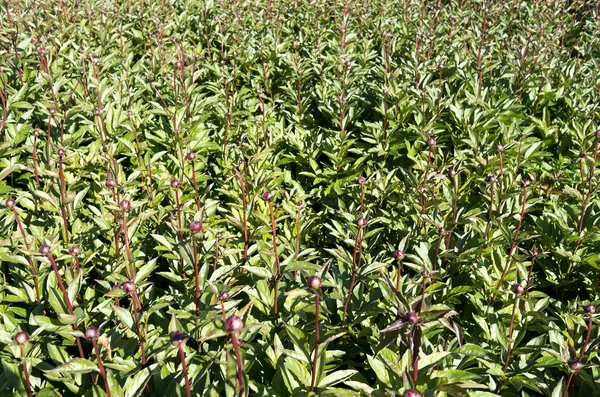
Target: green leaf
x,y
77,365
134,385
124,315
302,266
163,241
258,271
336,377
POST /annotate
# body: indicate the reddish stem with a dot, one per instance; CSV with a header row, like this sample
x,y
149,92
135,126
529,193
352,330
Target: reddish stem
x,y
185,373
178,210
26,373
244,215
34,159
317,341
216,254
138,305
297,251
275,252
196,276
529,275
33,269
355,266
238,361
589,193
514,243
491,211
195,186
101,367
67,299
127,250
510,333
587,337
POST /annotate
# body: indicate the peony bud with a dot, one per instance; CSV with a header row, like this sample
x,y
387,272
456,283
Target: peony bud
x,y
22,338
234,324
314,282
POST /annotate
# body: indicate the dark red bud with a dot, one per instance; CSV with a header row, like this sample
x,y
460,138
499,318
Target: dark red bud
x,y
129,287
196,227
398,255
411,318
411,393
44,249
92,333
125,205
518,289
22,338
575,365
314,282
178,338
234,324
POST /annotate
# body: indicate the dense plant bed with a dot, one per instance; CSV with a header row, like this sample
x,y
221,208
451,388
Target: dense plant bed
x,y
276,198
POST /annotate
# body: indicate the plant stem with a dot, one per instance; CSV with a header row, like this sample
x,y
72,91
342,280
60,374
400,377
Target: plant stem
x,y
127,250
63,198
216,254
238,361
491,211
437,251
31,263
195,186
317,341
244,214
61,285
116,216
196,276
587,337
297,251
185,373
589,193
138,305
34,160
355,266
510,333
500,183
101,367
514,242
415,356
454,214
581,354
25,372
529,275
362,198
423,287
425,176
519,153
278,277
149,167
178,211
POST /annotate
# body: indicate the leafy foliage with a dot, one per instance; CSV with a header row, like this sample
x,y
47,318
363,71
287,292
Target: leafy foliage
x,y
170,165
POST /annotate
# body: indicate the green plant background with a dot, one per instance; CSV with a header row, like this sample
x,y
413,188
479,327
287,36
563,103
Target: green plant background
x,y
301,98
